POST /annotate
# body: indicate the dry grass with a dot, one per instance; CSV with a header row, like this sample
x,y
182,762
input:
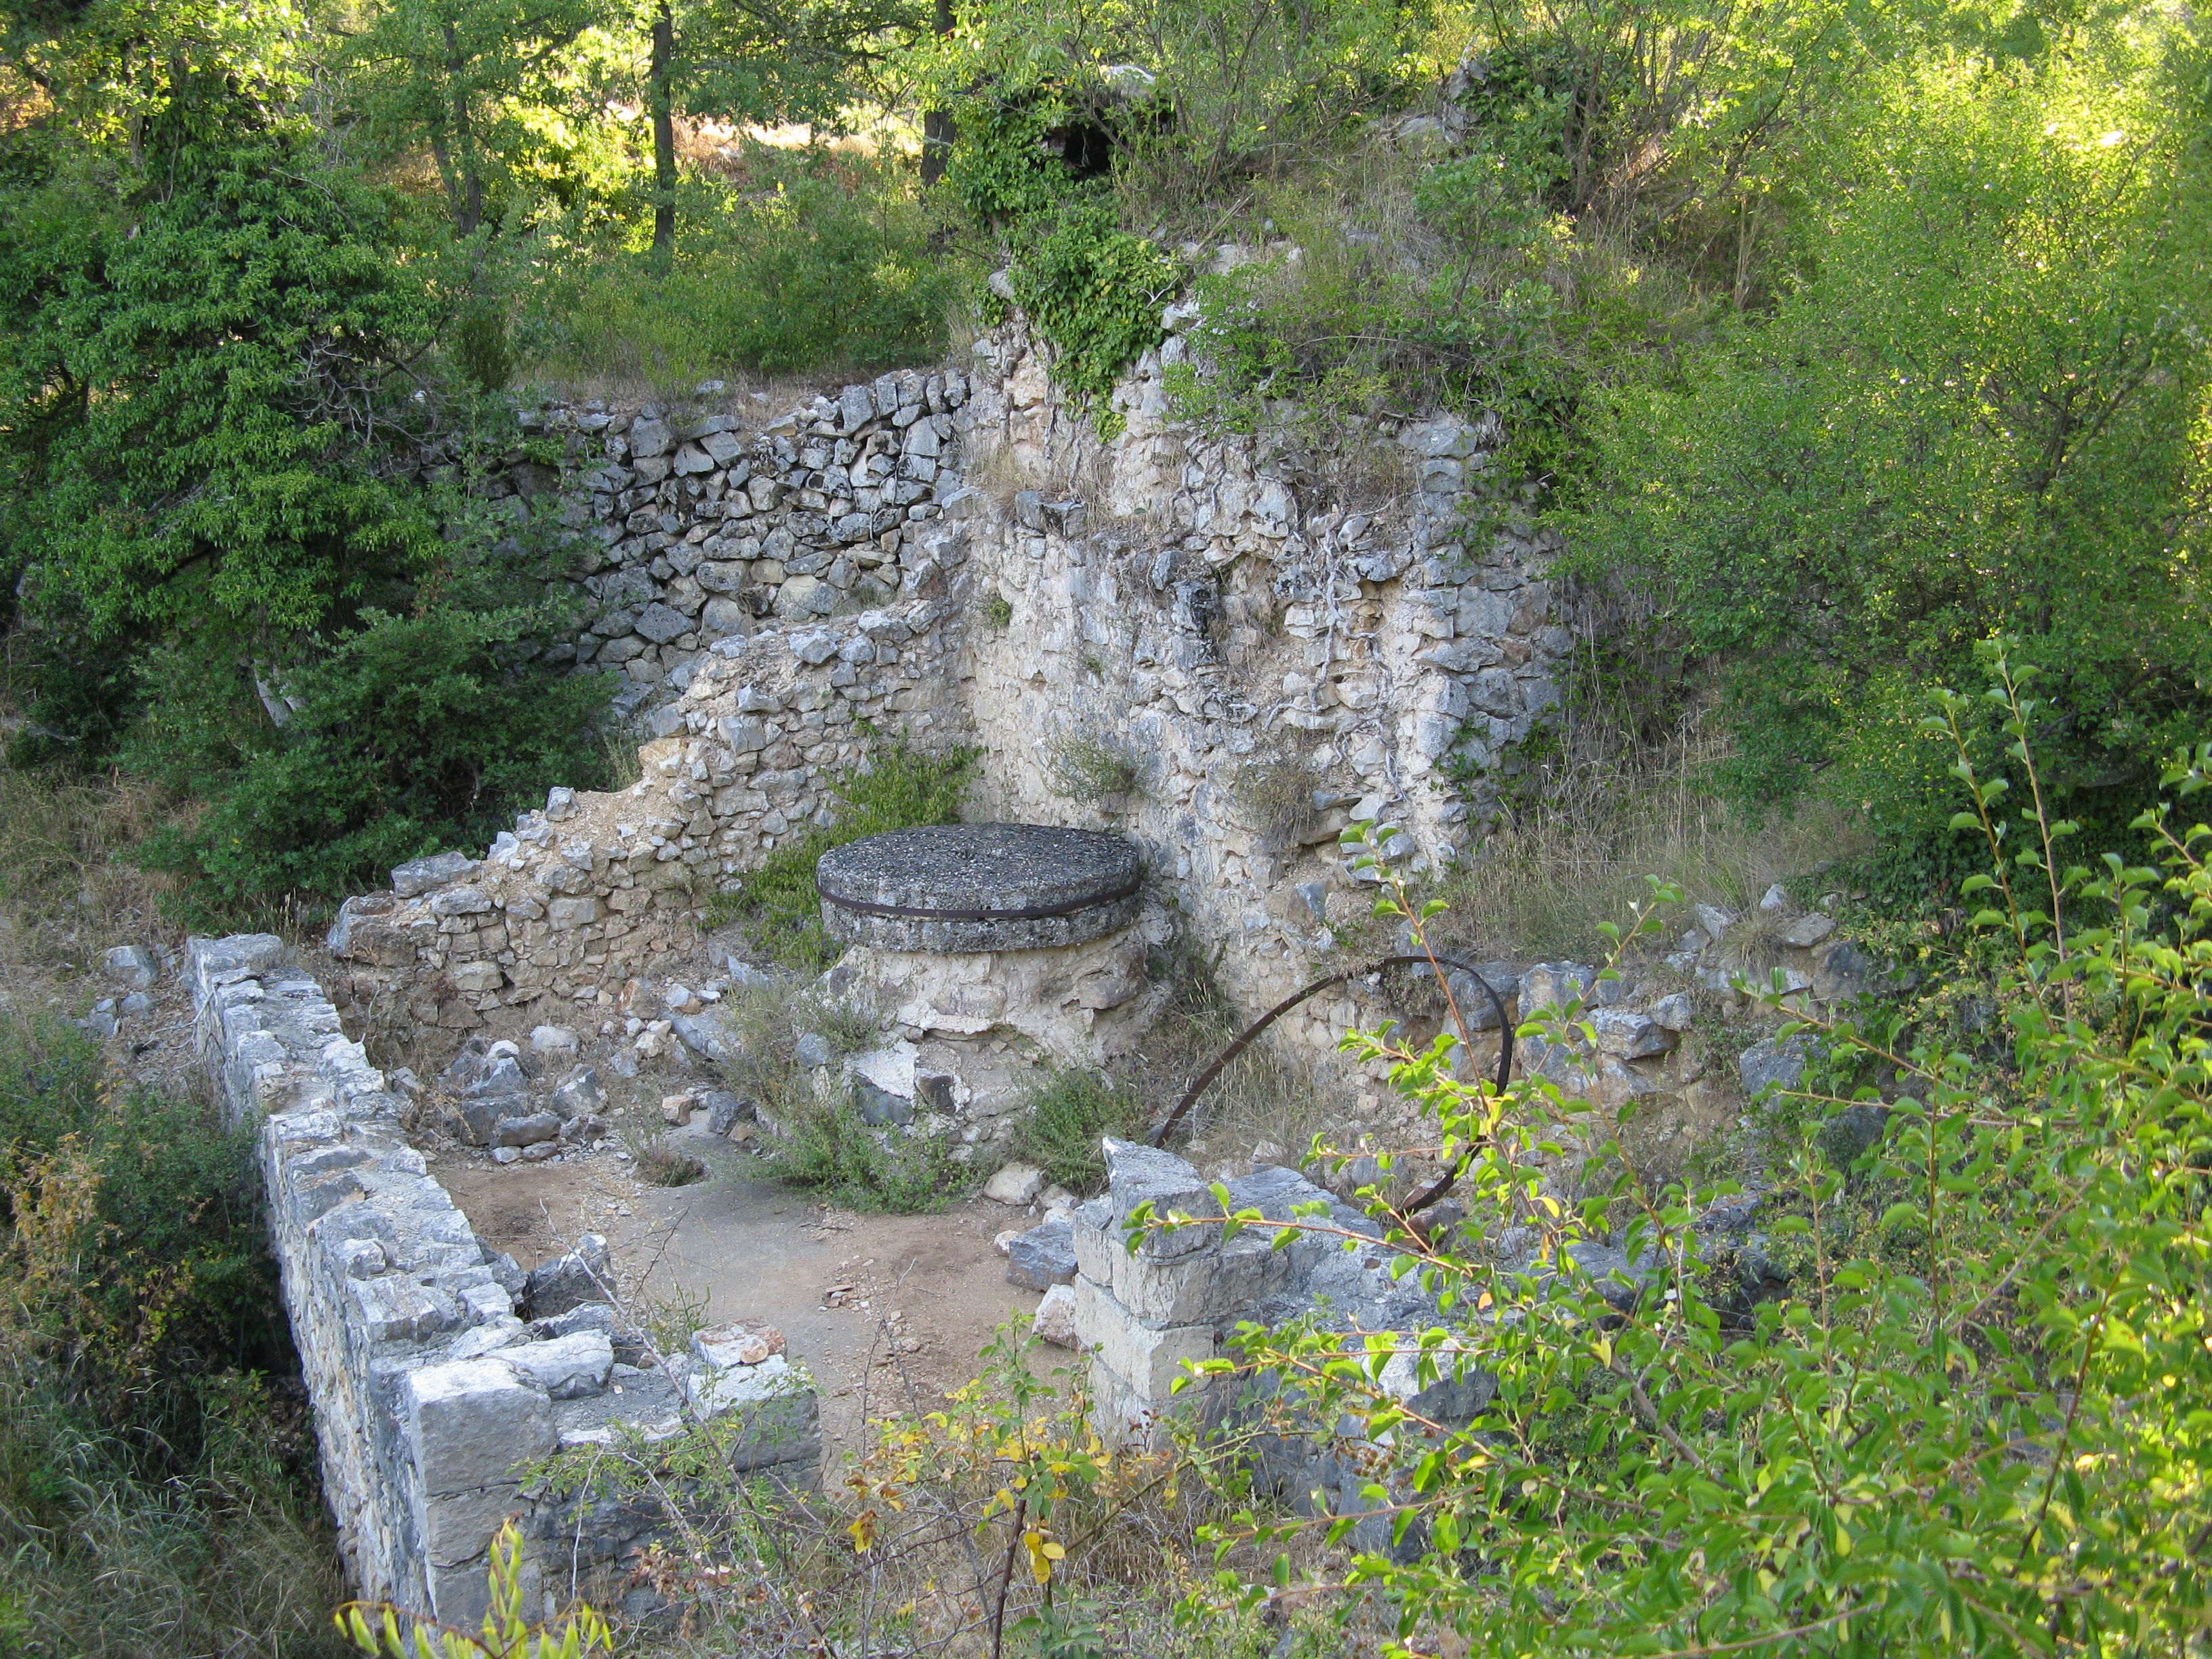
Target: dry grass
x,y
1574,849
66,882
1264,1095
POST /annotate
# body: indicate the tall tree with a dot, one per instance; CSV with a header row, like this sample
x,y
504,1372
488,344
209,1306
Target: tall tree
x,y
461,77
762,61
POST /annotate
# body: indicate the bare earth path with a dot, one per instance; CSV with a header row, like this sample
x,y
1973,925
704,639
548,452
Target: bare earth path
x,y
890,1312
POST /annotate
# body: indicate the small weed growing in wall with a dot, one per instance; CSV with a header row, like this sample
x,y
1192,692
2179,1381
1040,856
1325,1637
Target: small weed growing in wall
x,y
1275,793
1067,1115
997,613
779,903
1083,767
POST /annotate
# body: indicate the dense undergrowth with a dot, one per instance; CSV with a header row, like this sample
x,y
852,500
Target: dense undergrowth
x,y
1958,1403
156,1484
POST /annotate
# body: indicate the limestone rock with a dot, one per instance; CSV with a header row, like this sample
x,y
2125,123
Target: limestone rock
x,y
567,1367
557,1042
419,875
725,1110
1773,1062
1042,1257
1809,930
1015,1183
130,964
557,1285
579,1093
526,1131
736,1345
1055,1317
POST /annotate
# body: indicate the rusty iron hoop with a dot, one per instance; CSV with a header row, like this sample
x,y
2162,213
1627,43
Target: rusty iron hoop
x,y
1443,1183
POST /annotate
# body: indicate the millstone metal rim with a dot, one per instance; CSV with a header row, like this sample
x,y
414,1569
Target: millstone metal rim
x,y
1032,912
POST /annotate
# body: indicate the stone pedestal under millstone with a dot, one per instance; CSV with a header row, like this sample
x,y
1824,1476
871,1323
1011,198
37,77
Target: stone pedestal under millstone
x,y
970,888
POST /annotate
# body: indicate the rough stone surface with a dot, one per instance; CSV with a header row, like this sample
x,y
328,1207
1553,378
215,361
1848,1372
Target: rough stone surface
x,y
429,1393
1201,617
1043,1256
1055,1317
1015,1183
979,887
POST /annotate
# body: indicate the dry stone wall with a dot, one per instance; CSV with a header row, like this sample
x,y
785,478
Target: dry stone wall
x,y
696,527
956,557
441,1375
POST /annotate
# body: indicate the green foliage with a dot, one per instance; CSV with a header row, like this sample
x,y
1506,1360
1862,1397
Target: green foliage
x,y
479,83
999,169
1970,1419
824,1145
1983,412
1095,293
386,1632
810,267
1320,343
1063,1120
148,1479
900,788
196,422
168,1202
414,733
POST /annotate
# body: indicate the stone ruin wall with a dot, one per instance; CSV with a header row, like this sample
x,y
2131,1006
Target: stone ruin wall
x,y
1190,605
438,1371
947,558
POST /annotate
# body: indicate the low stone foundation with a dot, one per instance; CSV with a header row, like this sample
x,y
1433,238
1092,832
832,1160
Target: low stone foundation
x,y
440,1373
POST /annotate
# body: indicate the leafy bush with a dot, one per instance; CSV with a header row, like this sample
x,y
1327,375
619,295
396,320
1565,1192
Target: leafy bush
x,y
416,732
1063,1120
196,412
1982,412
805,272
1095,293
901,788
1972,1416
148,1480
824,1145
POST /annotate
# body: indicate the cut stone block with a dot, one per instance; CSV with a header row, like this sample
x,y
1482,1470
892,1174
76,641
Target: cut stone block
x,y
470,1424
1149,1360
567,1367
1140,1175
1042,1257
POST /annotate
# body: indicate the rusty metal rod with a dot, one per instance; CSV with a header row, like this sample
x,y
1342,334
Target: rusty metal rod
x,y
1244,1038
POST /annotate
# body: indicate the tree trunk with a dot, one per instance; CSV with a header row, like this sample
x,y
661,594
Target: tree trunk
x,y
660,96
468,212
937,129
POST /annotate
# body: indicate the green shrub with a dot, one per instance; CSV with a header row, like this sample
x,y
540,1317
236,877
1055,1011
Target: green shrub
x,y
414,733
806,272
1970,1418
1982,412
1095,293
825,1146
200,434
148,1480
1064,1119
901,788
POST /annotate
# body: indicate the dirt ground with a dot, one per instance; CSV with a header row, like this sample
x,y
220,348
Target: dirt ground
x,y
889,1312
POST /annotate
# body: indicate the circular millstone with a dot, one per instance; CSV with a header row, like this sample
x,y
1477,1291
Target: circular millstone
x,y
970,887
